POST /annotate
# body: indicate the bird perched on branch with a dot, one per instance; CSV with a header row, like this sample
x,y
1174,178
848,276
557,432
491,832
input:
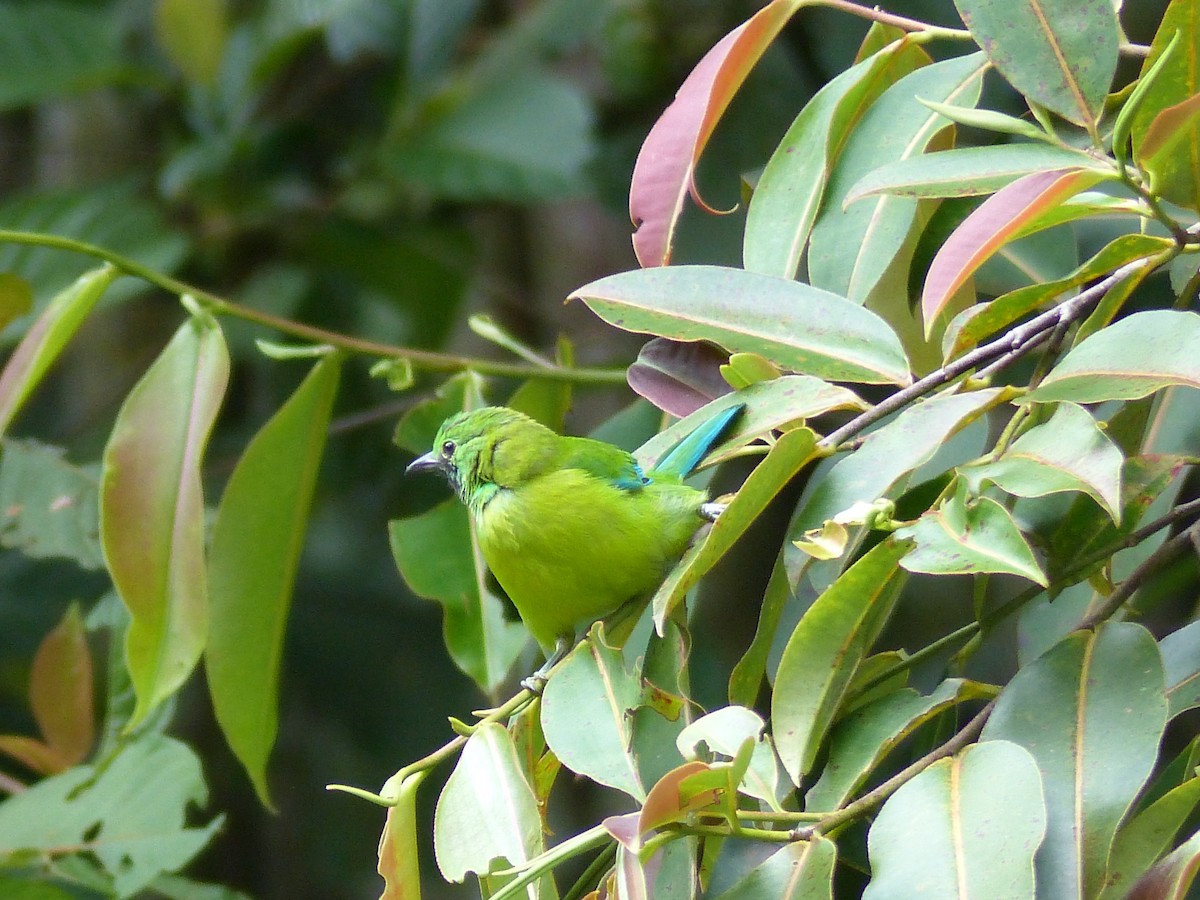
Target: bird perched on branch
x,y
571,527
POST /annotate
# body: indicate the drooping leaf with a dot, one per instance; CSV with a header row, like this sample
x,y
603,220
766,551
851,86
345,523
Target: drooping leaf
x,y
48,507
788,194
398,861
1136,356
665,168
853,246
152,508
677,377
1061,54
821,655
130,815
795,326
585,715
486,814
46,338
1091,712
950,833
436,556
1067,453
257,539
789,455
60,689
995,222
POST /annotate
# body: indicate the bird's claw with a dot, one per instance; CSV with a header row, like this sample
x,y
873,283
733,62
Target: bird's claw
x,y
711,511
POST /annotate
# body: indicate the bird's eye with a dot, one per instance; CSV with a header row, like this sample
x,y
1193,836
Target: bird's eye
x,y
448,448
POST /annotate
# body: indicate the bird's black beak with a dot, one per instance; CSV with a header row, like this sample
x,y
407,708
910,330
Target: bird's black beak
x,y
428,462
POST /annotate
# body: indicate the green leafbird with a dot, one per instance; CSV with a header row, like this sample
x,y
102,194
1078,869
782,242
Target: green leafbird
x,y
571,527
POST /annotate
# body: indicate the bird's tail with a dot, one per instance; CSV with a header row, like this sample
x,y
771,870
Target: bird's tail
x,y
686,455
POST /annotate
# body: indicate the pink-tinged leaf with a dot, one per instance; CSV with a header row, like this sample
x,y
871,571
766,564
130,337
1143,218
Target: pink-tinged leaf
x,y
46,337
33,754
398,861
1170,151
152,509
678,377
60,689
664,173
990,226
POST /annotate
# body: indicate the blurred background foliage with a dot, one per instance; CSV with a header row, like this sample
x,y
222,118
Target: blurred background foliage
x,y
382,168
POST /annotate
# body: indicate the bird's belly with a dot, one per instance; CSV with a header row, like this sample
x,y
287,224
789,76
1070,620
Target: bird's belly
x,y
570,549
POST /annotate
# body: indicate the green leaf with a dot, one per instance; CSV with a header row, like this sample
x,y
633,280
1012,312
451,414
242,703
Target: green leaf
x,y
785,202
436,556
987,319
487,813
1061,54
725,731
802,870
1067,453
795,326
152,508
585,715
967,172
989,120
48,507
1166,149
964,537
1136,356
661,713
1176,79
193,34
1144,838
889,453
780,404
852,247
825,649
46,338
130,815
1181,661
53,48
791,453
520,138
859,742
949,833
1172,878
254,553
1091,711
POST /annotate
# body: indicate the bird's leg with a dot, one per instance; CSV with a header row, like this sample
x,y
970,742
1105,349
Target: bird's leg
x,y
537,681
710,511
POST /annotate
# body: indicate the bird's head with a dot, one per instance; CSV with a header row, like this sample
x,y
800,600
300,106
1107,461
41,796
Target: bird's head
x,y
465,448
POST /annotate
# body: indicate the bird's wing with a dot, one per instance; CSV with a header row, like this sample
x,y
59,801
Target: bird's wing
x,y
604,461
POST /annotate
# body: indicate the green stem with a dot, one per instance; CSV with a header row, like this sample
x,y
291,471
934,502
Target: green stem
x,y
425,359
591,875
546,862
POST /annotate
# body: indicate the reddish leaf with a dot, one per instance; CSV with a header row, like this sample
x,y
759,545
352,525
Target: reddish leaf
x,y
678,377
60,689
1169,149
990,226
664,173
33,754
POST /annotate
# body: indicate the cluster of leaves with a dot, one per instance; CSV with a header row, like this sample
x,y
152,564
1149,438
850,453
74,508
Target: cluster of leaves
x,y
1035,442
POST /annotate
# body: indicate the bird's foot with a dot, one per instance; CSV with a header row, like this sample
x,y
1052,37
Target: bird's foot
x,y
536,682
711,511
